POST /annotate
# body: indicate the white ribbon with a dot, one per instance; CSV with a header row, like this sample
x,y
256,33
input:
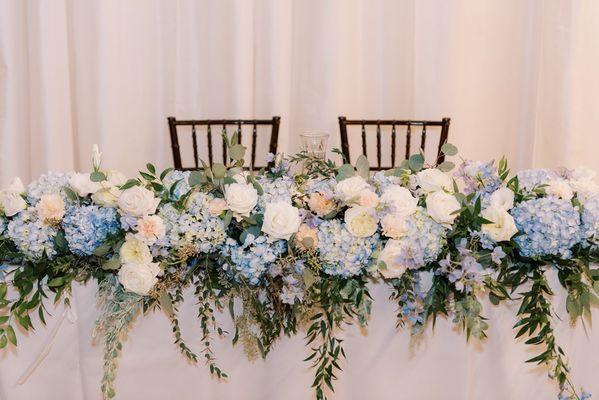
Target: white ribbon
x,y
72,317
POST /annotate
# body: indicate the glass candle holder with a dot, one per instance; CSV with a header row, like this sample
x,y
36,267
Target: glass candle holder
x,y
315,144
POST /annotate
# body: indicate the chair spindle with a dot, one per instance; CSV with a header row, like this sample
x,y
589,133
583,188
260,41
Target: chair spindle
x,y
254,140
423,137
364,151
209,137
393,134
194,138
378,144
224,144
408,140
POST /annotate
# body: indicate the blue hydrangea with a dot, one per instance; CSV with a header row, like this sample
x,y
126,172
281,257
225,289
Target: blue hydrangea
x,y
530,178
32,237
87,227
423,241
250,260
341,252
179,177
382,181
479,177
193,230
549,226
590,218
52,182
280,189
323,186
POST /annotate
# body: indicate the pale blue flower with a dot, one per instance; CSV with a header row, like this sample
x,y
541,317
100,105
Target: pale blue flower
x,y
280,189
181,179
382,181
341,252
590,219
87,227
549,226
531,178
31,235
497,255
52,182
249,261
479,177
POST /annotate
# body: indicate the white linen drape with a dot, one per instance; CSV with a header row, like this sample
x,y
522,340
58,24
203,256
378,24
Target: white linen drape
x,y
516,77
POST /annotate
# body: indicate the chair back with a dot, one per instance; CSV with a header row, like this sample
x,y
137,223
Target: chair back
x,y
221,126
412,128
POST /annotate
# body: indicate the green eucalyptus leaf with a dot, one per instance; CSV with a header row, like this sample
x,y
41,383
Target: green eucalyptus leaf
x,y
416,162
363,167
196,178
56,282
219,171
70,194
166,304
309,278
446,166
228,217
449,149
345,171
112,264
97,176
237,152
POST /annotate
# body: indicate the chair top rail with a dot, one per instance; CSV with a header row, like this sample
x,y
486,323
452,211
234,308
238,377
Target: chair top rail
x,y
394,122
223,121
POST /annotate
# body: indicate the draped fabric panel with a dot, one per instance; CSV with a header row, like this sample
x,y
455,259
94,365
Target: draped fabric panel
x,y
516,77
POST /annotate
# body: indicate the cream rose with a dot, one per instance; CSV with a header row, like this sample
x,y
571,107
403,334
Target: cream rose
x,y
134,251
150,228
16,185
388,267
361,221
348,190
83,185
138,201
320,204
502,198
400,200
241,198
559,188
433,180
11,201
441,206
139,278
217,206
306,238
50,208
368,198
281,220
394,226
107,197
502,227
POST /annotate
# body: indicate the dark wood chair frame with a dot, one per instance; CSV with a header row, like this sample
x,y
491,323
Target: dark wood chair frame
x,y
221,124
344,123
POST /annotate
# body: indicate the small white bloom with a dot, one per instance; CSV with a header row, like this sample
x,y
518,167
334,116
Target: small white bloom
x,y
502,198
139,278
241,198
361,221
388,266
83,185
502,227
51,207
400,200
281,220
441,207
217,206
114,178
138,201
368,198
11,201
349,189
107,197
150,228
96,157
394,226
134,251
559,188
582,173
433,180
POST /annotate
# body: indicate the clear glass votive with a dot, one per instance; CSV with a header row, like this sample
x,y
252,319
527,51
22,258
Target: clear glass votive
x,y
315,144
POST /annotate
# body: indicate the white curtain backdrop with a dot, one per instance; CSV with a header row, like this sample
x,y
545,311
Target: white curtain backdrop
x,y
517,78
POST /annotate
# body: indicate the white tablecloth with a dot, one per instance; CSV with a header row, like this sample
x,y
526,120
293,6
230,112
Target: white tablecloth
x,y
381,364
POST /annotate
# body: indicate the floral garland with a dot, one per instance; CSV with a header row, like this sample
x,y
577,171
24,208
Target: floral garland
x,y
297,250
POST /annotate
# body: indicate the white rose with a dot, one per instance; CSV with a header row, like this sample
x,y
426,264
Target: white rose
x,y
349,189
433,180
83,185
441,206
368,198
400,200
107,197
11,202
241,198
138,201
134,251
139,278
50,207
16,185
114,178
150,228
394,226
582,173
502,198
281,220
502,227
241,177
361,221
559,188
391,268
217,206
